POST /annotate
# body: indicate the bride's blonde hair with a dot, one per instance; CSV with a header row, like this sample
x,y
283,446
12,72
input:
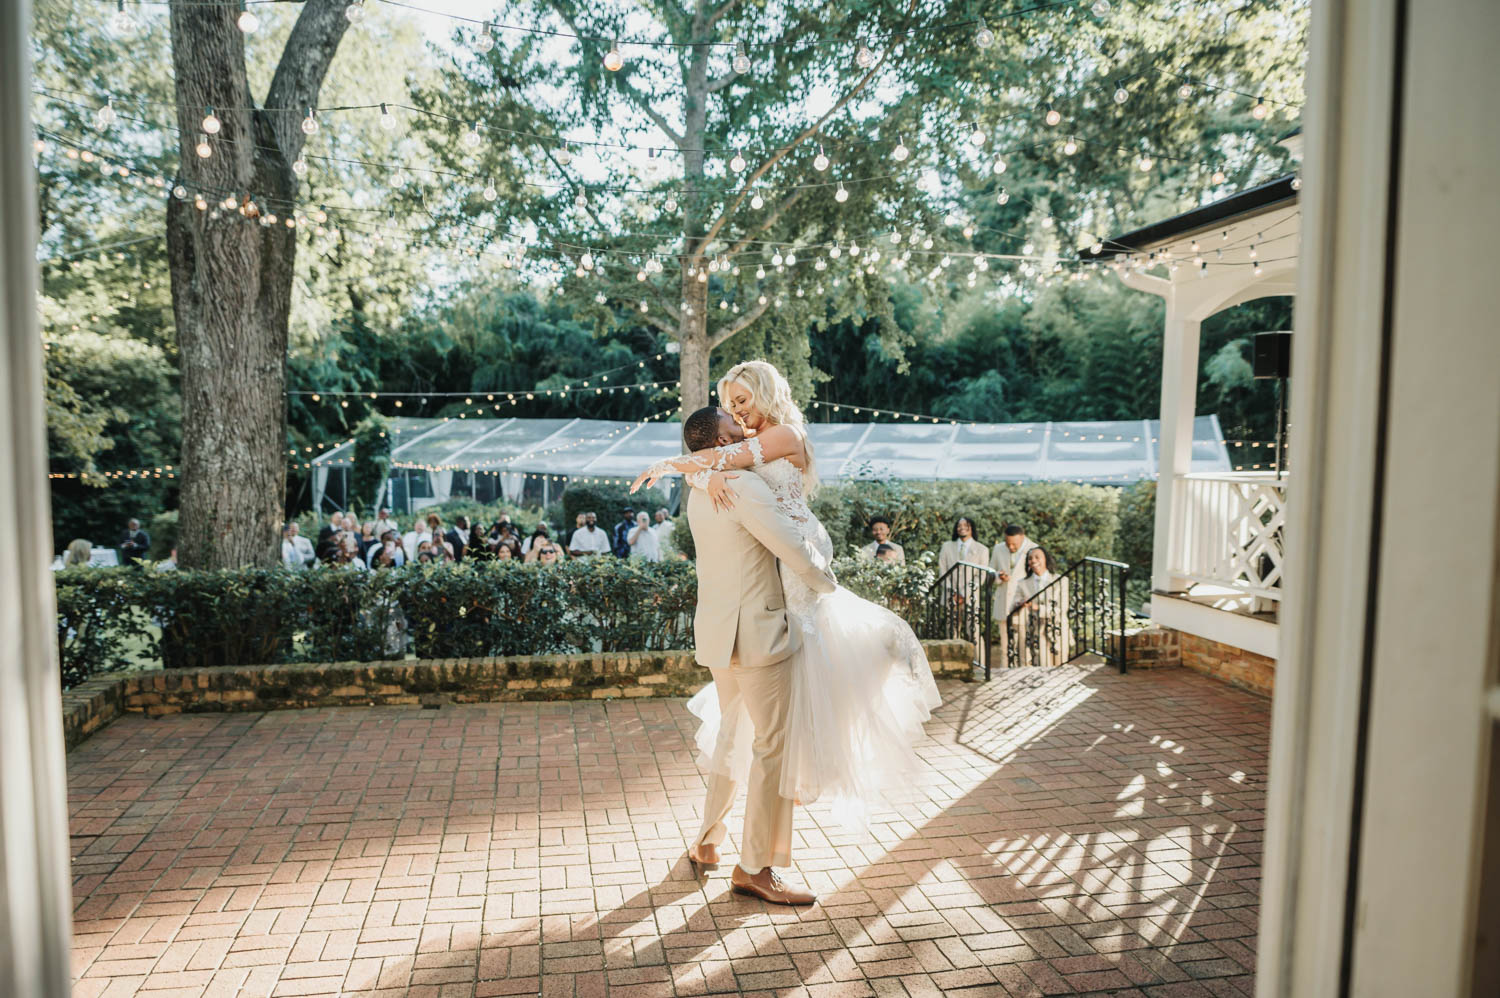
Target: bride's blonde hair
x,y
770,392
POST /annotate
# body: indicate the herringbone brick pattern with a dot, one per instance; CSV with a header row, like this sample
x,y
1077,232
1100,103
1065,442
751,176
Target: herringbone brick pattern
x,y
1073,832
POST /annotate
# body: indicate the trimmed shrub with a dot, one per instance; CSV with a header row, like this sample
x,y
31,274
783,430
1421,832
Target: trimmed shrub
x,y
1136,539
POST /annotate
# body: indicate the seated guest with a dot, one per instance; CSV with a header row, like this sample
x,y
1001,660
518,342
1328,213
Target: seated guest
x,y
501,553
880,529
289,556
513,546
385,523
414,538
301,544
385,554
546,552
588,539
80,552
888,553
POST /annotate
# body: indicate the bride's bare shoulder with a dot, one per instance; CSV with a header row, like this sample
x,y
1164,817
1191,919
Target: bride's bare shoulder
x,y
779,440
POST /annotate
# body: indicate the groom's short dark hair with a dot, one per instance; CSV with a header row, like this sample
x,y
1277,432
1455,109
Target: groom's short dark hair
x,y
701,430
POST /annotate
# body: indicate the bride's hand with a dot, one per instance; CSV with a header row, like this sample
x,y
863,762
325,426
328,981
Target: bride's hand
x,y
647,478
719,491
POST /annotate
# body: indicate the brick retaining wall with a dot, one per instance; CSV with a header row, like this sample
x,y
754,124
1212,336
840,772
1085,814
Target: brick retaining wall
x,y
93,704
1157,647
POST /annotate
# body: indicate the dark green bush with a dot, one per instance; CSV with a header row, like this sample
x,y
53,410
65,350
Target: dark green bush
x,y
608,500
1136,539
100,619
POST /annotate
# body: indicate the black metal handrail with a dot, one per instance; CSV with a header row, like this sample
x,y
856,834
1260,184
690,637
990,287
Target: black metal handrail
x,y
1081,612
960,605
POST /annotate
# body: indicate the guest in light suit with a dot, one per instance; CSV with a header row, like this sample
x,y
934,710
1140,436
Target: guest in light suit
x,y
961,589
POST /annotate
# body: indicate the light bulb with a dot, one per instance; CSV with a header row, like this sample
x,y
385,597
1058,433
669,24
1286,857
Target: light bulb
x,y
820,264
247,22
670,204
820,161
841,195
1100,8
1053,116
119,21
1121,95
105,116
1144,163
900,153
309,123
760,273
895,239
1003,197
984,37
976,137
204,149
999,167
1296,183
180,192
564,156
486,39
757,202
1219,177
471,137
776,259
1185,91
613,60
581,201
1259,111
355,12
863,57
300,167
834,252
741,63
586,261
490,193
791,259
1070,147
1253,254
702,277
737,163
211,122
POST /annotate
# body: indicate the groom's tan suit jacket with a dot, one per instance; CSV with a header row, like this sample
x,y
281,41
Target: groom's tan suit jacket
x,y
741,608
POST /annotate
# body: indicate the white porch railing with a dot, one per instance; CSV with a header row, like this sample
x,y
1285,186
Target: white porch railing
x,y
1227,531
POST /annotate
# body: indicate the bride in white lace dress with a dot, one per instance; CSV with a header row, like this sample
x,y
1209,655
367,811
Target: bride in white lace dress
x,y
861,686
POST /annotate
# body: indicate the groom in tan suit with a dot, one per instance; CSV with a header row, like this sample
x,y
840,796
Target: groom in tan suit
x,y
746,641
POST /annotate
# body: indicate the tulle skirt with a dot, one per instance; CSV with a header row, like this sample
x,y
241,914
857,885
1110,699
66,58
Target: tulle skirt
x,y
860,690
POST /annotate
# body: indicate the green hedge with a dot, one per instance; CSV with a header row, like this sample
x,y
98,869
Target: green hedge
x,y
110,619
1137,538
1072,521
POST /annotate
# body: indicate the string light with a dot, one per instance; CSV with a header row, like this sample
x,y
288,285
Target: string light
x,y
976,137
1121,94
820,161
757,202
471,137
613,60
741,61
106,115
211,122
203,149
1053,117
900,153
984,37
737,163
309,123
387,120
1260,110
841,195
355,12
486,39
1070,147
863,57
246,22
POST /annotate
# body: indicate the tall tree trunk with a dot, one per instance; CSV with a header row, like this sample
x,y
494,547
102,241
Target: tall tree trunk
x,y
693,341
232,276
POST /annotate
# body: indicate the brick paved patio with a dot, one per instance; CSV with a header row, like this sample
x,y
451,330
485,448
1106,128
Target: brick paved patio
x,y
1075,831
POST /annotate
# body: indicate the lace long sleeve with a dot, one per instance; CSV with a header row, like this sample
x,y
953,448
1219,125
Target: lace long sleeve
x,y
698,467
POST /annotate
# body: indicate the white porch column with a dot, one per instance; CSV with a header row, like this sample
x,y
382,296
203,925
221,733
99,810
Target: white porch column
x,y
35,892
1179,399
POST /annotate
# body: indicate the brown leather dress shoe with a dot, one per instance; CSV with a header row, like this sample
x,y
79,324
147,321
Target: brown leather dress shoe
x,y
703,856
768,886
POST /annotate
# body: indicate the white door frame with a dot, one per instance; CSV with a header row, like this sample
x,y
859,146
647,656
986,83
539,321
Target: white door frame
x,y
1380,739
36,899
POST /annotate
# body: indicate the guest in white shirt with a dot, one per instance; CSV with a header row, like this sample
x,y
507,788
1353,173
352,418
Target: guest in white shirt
x,y
642,539
302,548
663,528
880,529
589,539
415,536
386,523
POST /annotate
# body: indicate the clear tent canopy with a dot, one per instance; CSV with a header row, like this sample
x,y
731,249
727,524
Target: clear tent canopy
x,y
532,460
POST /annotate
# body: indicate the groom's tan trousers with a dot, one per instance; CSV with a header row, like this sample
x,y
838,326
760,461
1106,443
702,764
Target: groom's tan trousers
x,y
767,838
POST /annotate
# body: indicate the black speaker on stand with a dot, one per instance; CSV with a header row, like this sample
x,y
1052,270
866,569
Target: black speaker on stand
x,y
1273,359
